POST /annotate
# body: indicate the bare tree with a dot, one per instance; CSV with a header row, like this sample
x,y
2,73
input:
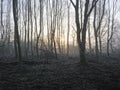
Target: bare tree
x,y
2,26
47,15
24,15
68,7
16,33
89,35
59,26
96,26
31,21
28,26
111,16
81,40
53,26
2,29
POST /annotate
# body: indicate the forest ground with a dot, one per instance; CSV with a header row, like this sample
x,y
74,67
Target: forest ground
x,y
64,73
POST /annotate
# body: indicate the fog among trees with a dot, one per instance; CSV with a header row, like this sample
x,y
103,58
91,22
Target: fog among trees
x,y
79,34
30,27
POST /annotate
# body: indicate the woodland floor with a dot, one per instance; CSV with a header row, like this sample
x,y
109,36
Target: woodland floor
x,y
61,74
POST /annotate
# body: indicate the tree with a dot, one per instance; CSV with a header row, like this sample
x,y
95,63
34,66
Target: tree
x,y
96,26
2,29
28,29
31,21
111,16
24,13
68,7
38,32
47,15
53,26
89,35
17,46
59,25
81,40
2,26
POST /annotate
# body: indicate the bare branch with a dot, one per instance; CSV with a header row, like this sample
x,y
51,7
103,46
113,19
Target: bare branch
x,y
101,16
73,4
93,5
74,29
104,33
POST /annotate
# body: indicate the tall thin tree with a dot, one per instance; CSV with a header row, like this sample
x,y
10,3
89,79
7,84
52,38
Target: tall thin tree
x,y
16,32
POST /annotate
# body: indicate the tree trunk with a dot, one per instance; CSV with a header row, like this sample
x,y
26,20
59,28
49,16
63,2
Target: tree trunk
x,y
95,34
89,38
68,30
16,38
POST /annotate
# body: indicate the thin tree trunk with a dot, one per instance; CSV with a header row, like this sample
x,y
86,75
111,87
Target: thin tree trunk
x,y
68,30
95,34
89,38
28,41
108,40
16,38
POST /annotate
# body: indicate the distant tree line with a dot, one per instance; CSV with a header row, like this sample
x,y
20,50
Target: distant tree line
x,y
37,27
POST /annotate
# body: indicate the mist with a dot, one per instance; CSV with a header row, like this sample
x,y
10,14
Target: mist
x,y
59,44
